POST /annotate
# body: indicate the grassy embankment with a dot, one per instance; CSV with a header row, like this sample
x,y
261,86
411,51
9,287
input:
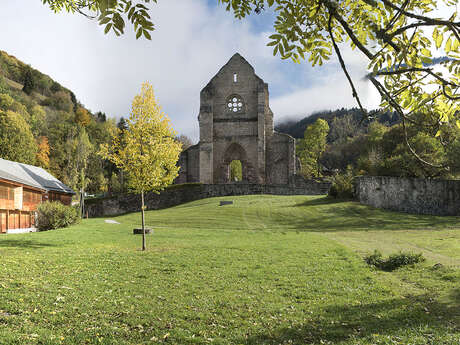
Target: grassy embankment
x,y
266,270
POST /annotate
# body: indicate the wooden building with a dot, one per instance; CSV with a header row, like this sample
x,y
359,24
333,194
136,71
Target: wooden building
x,y
22,188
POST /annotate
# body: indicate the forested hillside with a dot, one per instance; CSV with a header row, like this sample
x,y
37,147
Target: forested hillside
x,y
42,123
378,145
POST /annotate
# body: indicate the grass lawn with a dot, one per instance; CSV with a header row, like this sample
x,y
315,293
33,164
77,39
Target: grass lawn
x,y
265,270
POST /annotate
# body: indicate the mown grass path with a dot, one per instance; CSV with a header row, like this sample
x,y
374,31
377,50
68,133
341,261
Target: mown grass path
x,y
266,270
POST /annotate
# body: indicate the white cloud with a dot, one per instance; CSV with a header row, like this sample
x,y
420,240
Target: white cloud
x,y
330,90
190,44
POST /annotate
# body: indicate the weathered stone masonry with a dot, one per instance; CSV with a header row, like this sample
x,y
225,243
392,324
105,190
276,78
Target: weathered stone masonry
x,y
236,123
411,195
176,196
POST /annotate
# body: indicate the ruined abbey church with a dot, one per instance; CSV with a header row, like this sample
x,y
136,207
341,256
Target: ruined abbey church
x,y
236,123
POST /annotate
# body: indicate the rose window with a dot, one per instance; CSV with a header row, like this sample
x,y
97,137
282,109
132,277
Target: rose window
x,y
235,104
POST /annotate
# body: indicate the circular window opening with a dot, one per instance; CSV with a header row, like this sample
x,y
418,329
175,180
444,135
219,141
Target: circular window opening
x,y
235,104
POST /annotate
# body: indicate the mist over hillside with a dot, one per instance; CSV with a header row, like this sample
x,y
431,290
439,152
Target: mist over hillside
x,y
296,128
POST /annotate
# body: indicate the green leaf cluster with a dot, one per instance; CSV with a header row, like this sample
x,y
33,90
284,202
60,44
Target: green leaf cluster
x,y
147,151
112,14
16,139
236,171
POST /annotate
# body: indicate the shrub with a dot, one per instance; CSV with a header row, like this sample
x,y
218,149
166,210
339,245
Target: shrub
x,y
342,185
374,259
4,88
54,214
403,259
6,101
394,261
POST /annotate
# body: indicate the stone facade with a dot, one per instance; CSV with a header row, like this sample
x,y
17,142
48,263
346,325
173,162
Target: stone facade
x,y
236,123
411,195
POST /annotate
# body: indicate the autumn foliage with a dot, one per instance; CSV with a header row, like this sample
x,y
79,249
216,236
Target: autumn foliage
x,y
148,152
42,157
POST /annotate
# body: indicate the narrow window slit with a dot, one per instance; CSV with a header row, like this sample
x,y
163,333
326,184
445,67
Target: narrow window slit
x,y
235,77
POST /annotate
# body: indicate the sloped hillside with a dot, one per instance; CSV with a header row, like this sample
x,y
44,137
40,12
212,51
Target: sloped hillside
x,y
42,123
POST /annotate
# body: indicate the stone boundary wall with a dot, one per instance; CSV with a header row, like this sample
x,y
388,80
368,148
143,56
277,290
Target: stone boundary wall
x,y
181,194
411,195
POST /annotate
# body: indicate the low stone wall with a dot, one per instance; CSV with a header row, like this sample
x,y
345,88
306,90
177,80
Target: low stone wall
x,y
180,194
411,195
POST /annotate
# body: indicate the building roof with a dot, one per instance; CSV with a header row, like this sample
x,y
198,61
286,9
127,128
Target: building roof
x,y
32,176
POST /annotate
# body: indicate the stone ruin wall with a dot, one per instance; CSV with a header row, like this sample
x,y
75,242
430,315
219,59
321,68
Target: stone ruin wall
x,y
177,195
411,195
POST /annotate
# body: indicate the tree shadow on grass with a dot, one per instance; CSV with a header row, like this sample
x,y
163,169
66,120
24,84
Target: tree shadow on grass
x,y
392,317
455,297
332,215
28,244
321,201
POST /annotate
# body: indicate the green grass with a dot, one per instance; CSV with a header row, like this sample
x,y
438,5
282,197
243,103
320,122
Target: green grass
x,y
266,270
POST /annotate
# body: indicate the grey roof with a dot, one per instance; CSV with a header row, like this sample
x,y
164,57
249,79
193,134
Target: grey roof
x,y
33,176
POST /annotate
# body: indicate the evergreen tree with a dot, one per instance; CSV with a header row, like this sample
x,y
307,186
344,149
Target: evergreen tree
x,y
28,80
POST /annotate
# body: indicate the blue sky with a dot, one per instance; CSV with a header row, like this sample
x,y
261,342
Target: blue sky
x,y
192,40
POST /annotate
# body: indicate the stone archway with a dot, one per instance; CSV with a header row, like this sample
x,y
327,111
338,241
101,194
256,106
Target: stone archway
x,y
235,152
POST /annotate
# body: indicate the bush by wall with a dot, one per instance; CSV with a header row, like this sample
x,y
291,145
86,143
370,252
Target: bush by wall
x,y
342,185
53,215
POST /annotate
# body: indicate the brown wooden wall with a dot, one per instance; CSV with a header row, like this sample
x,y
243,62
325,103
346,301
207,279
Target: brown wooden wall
x,y
31,199
11,217
66,199
6,196
3,215
16,220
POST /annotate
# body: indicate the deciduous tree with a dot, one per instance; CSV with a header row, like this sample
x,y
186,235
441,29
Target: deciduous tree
x,y
185,141
236,171
16,140
43,153
149,153
310,148
82,117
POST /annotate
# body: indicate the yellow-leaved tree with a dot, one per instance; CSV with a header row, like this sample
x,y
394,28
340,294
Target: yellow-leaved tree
x,y
148,152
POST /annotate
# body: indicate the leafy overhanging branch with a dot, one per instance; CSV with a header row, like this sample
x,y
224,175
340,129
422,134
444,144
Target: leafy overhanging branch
x,y
344,68
111,14
390,33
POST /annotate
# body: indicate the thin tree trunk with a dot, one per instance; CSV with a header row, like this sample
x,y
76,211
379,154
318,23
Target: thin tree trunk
x,y
83,203
143,221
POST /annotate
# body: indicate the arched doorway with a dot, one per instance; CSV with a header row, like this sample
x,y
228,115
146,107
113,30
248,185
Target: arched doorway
x,y
236,171
235,157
